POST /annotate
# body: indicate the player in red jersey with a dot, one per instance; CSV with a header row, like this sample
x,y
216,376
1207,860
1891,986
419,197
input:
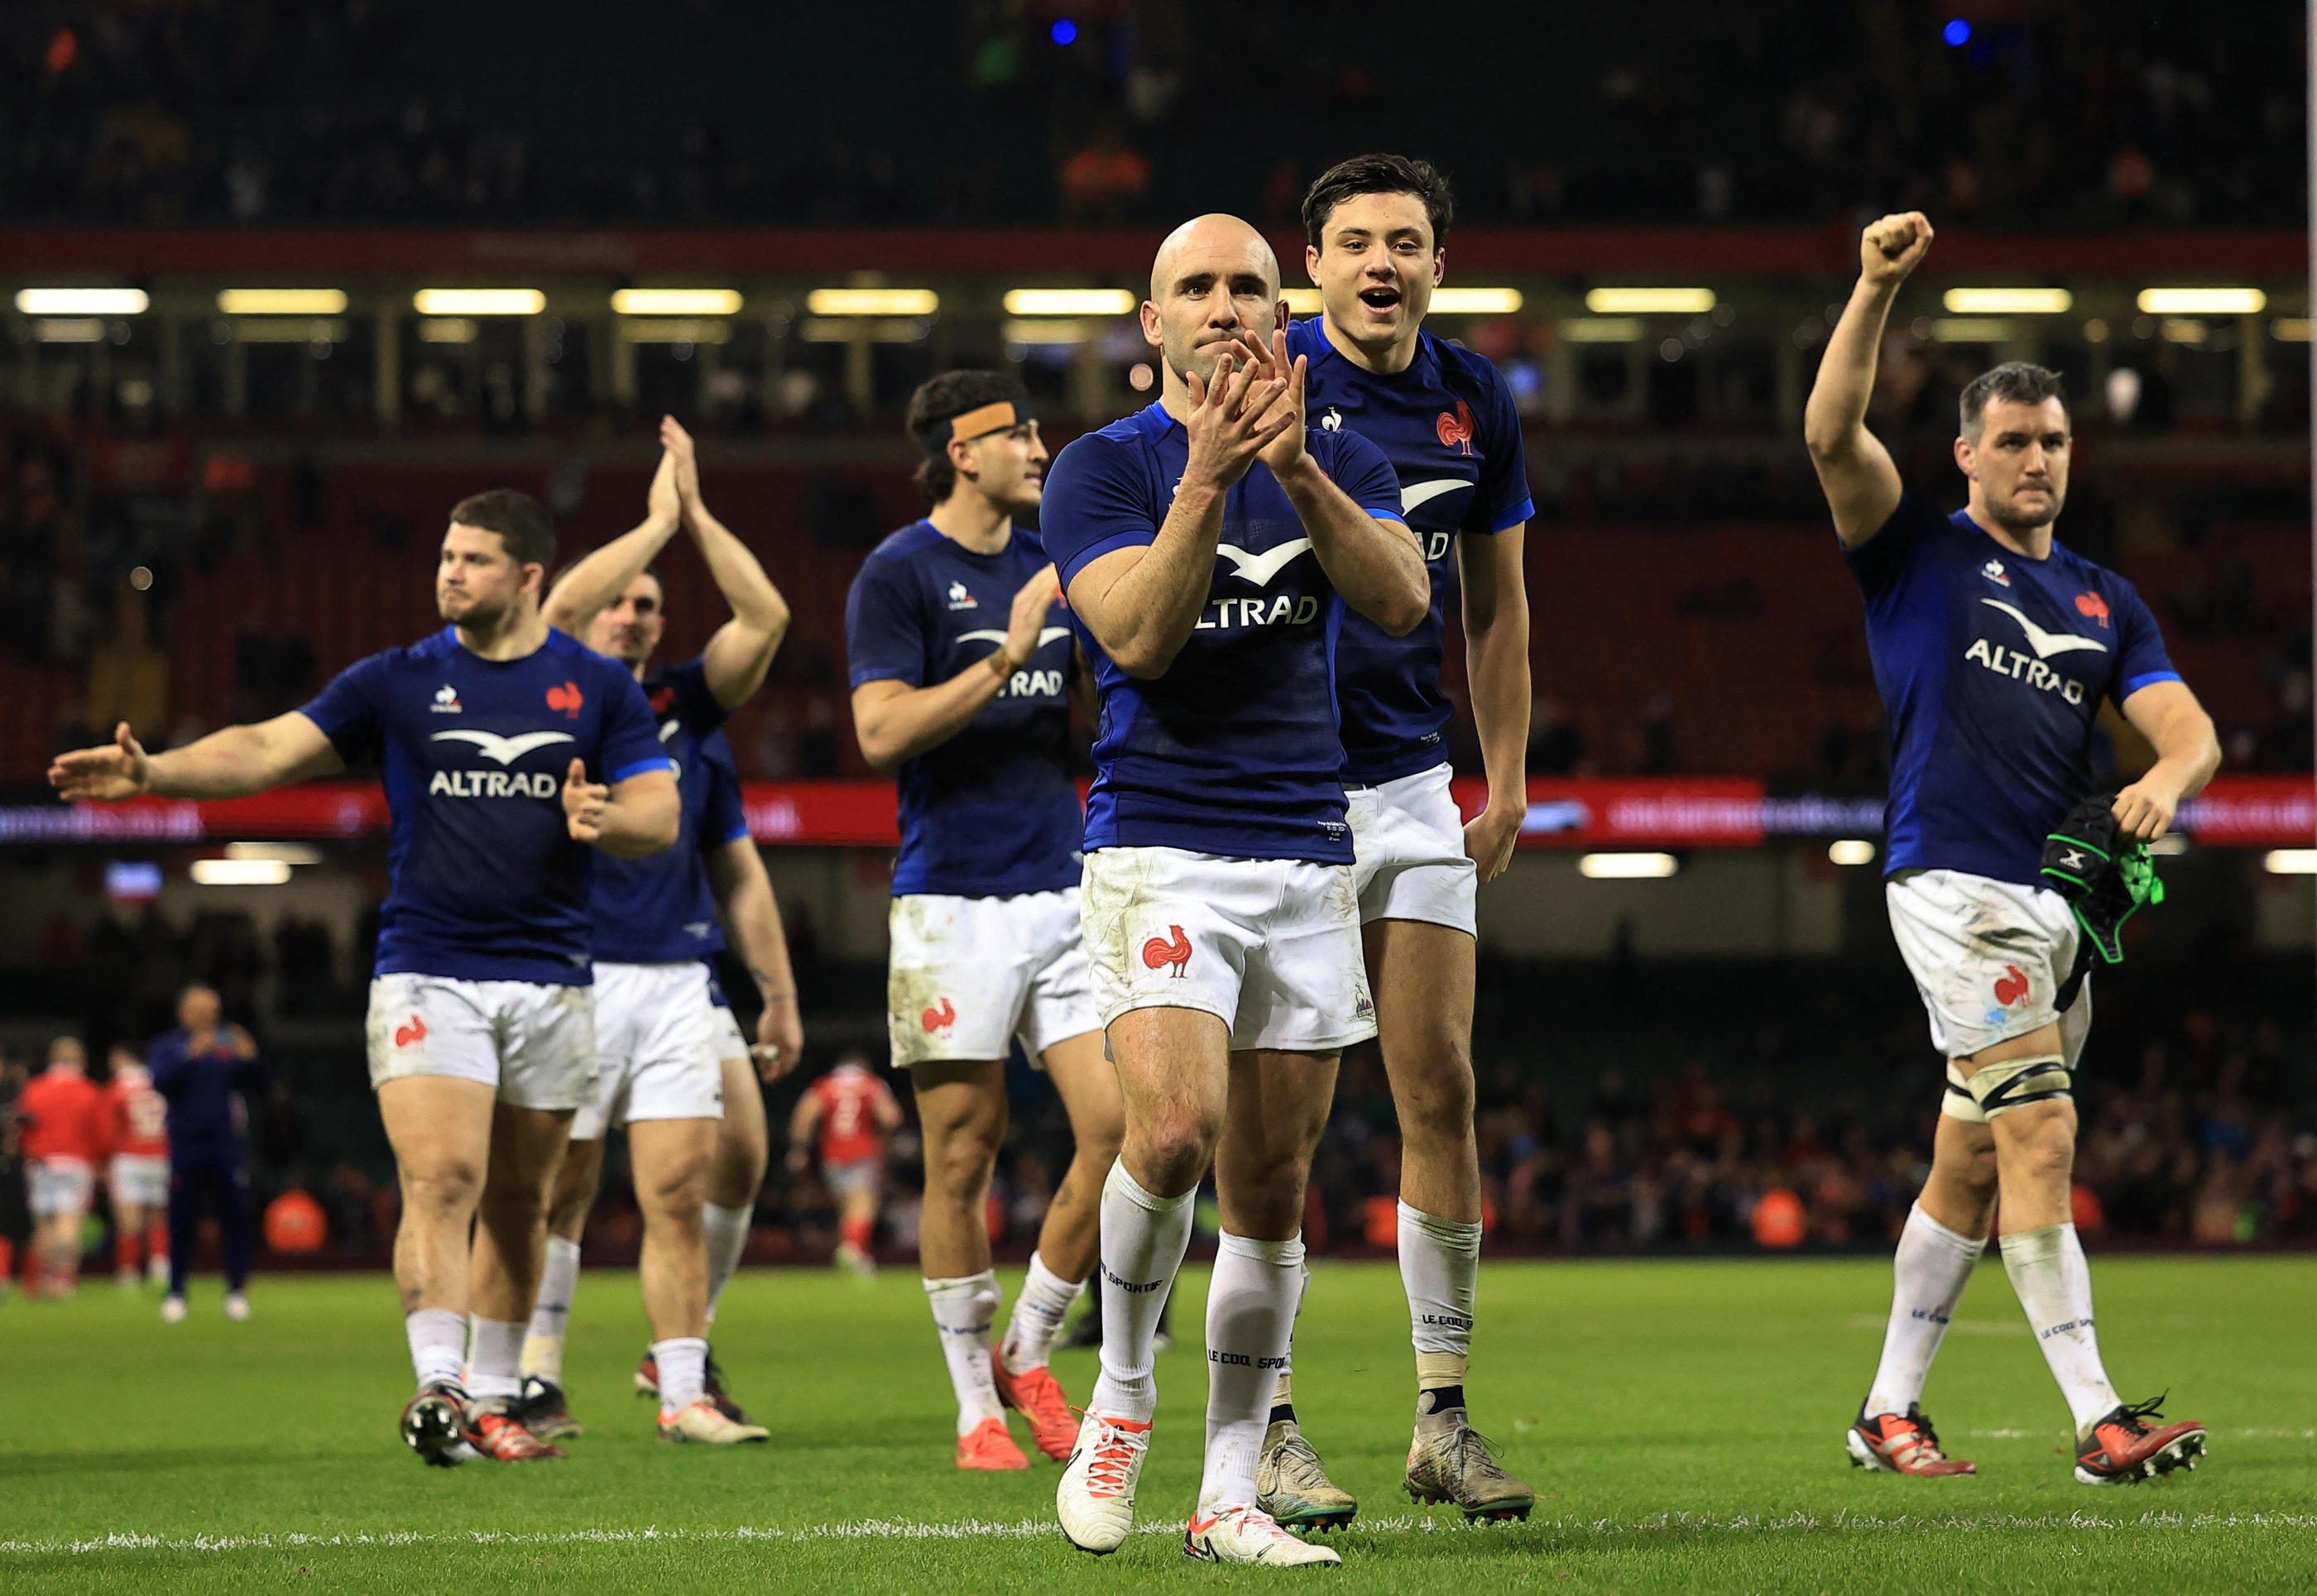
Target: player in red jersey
x,y
853,1112
139,1175
66,1134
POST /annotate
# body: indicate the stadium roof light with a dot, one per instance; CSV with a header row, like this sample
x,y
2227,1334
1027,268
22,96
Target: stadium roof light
x,y
873,301
2290,329
1969,329
1302,301
1649,302
281,301
2291,861
677,301
1851,850
2203,301
1601,329
82,301
241,872
1481,301
1627,866
478,301
285,852
70,329
1071,301
2009,302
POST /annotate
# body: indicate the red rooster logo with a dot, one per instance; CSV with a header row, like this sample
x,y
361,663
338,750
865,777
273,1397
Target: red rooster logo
x,y
1157,955
2091,604
2012,988
415,1031
567,698
1456,431
940,1019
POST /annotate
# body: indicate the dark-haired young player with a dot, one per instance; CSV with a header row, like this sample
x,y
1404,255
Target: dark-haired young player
x,y
961,672
1377,226
1209,545
511,756
670,1065
1993,646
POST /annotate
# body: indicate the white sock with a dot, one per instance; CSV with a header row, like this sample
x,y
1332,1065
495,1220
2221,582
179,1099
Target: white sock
x,y
493,1358
1143,1239
1250,1312
551,1312
727,1238
438,1344
1439,1259
1037,1322
1932,1266
963,1311
2054,1284
683,1364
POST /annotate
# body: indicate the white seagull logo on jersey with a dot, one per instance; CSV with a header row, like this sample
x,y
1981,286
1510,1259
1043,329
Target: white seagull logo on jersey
x,y
1258,569
505,750
1045,635
1420,493
2045,644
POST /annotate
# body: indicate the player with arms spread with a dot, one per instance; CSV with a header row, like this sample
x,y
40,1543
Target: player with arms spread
x,y
1445,418
1993,646
1210,544
852,1113
669,1068
961,679
511,756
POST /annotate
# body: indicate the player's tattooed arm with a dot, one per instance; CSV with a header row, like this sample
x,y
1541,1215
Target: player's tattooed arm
x,y
895,721
628,819
1859,479
234,763
2187,753
742,649
596,581
751,914
1497,665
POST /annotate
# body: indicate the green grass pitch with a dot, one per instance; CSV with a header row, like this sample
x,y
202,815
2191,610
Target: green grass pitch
x,y
1681,1421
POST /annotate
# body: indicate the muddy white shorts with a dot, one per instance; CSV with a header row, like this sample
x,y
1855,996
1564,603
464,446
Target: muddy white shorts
x,y
138,1179
59,1186
969,974
532,1041
655,1055
1988,958
1271,947
1408,837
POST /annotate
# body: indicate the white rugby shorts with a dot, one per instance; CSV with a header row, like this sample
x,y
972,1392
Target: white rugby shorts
x,y
532,1041
729,1043
138,1179
655,1055
1988,958
861,1177
59,1186
1408,837
968,975
1271,947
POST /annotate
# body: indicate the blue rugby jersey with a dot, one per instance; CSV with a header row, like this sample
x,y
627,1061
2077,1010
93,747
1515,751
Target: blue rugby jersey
x,y
1234,750
1448,426
1992,667
993,811
658,909
486,883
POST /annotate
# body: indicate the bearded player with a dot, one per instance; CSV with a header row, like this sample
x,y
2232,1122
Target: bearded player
x,y
658,1036
962,674
1209,545
513,757
1994,645
1377,226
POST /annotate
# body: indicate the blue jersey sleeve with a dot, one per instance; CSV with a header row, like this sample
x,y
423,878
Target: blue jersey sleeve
x,y
1360,468
1097,501
885,625
2141,660
347,709
1880,561
697,704
726,818
1503,501
630,736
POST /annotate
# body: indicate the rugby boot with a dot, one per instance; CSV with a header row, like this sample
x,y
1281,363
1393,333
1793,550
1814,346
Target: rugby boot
x,y
1291,1485
434,1425
1037,1397
2123,1448
703,1420
1096,1498
1450,1461
987,1448
648,1375
1901,1443
498,1434
1250,1535
544,1412
719,1396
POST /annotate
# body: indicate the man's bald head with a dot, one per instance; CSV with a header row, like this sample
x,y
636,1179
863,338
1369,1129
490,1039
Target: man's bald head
x,y
1213,282
1217,238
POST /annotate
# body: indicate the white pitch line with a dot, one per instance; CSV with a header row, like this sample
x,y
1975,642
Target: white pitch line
x,y
1039,1529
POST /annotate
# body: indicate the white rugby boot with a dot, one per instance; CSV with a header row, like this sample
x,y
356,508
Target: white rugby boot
x,y
1096,1498
1250,1535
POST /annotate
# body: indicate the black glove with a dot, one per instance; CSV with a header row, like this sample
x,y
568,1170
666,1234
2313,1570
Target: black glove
x,y
2105,876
